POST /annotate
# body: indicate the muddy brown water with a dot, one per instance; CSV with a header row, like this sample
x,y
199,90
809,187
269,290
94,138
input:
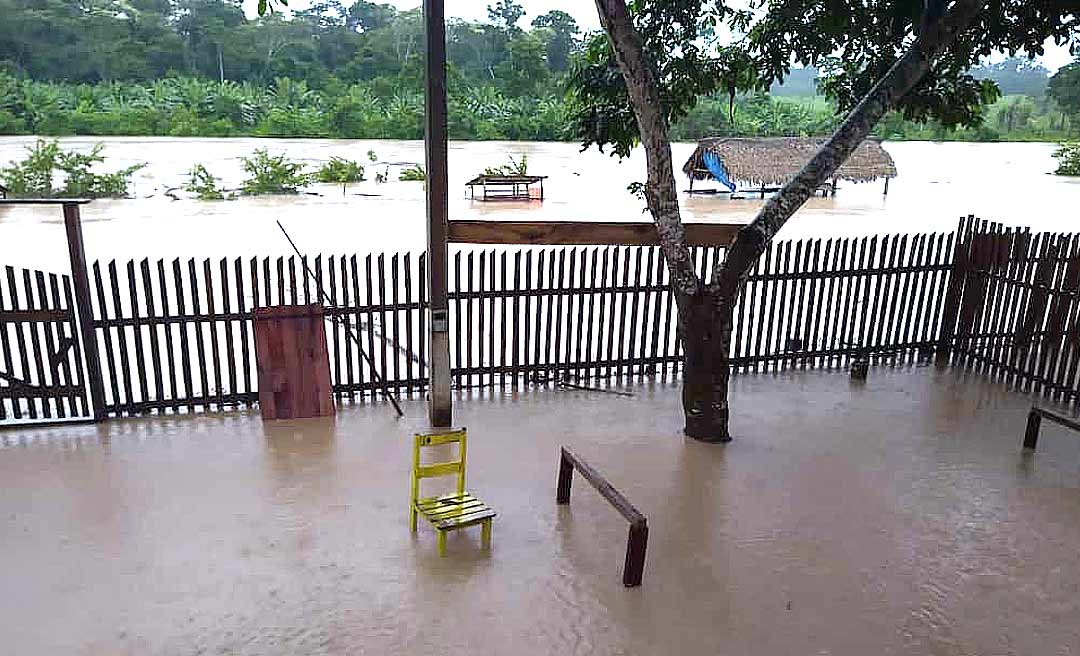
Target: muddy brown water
x,y
898,517
938,183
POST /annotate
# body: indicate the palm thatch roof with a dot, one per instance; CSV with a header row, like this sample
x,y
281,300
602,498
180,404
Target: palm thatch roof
x,y
776,160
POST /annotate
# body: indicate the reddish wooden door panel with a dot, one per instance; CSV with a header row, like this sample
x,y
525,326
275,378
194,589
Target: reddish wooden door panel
x,y
293,364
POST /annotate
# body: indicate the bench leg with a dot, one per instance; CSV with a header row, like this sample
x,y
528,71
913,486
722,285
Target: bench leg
x,y
485,534
412,519
1031,437
442,542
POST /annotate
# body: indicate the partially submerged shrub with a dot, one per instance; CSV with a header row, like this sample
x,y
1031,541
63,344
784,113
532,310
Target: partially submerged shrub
x,y
341,171
515,167
203,184
1068,159
273,174
414,173
35,176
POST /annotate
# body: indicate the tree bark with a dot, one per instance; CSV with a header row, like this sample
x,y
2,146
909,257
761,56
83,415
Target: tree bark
x,y
706,312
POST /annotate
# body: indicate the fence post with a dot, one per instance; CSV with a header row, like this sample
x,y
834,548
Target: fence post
x,y
435,147
81,280
957,277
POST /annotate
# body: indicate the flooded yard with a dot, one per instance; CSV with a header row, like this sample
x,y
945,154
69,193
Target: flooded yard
x,y
898,517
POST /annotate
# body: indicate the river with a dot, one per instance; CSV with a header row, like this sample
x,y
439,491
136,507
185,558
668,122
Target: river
x,y
937,183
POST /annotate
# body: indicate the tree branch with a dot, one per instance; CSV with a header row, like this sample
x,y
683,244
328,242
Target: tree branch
x,y
752,240
660,193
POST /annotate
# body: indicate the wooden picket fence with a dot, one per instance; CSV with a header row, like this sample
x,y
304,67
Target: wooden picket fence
x,y
177,335
1017,296
41,364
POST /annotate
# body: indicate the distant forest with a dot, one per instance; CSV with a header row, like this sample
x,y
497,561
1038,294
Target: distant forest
x,y
202,68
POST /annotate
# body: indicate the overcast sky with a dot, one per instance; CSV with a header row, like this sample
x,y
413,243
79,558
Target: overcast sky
x,y
584,11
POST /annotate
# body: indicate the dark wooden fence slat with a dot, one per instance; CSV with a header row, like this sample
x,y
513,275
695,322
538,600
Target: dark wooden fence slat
x,y
152,327
167,328
241,306
185,350
230,345
407,347
79,374
200,345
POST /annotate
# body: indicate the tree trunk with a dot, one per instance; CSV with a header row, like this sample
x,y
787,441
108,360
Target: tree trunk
x,y
706,312
706,367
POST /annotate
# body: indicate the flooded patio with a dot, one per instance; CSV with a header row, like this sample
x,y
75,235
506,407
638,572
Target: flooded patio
x,y
893,517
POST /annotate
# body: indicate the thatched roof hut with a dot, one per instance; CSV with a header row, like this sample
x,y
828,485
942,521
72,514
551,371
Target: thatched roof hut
x,y
760,162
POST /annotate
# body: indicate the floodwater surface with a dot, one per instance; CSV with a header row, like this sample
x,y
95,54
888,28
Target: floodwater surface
x,y
938,183
897,517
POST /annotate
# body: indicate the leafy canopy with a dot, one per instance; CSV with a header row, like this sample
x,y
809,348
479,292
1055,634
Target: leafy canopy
x,y
700,47
1064,88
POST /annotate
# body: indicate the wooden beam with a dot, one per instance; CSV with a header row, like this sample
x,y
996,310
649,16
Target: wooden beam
x,y
583,233
81,280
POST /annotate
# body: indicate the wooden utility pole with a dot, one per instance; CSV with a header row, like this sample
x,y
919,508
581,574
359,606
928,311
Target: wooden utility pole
x,y
435,147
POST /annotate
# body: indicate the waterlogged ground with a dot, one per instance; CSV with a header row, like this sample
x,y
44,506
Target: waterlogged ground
x,y
899,517
938,183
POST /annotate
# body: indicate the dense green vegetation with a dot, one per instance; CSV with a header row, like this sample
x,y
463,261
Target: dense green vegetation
x,y
202,68
1068,159
48,171
341,171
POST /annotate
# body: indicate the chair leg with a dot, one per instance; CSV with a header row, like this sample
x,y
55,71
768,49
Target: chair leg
x,y
442,542
412,519
485,534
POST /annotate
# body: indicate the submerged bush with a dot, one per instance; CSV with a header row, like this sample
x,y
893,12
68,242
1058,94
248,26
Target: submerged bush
x,y
203,184
1068,159
35,176
414,173
515,167
340,170
273,174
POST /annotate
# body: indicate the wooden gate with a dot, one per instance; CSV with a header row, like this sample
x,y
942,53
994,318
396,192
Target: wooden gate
x,y
41,364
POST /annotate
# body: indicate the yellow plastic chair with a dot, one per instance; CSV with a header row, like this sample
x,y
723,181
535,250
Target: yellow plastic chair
x,y
448,512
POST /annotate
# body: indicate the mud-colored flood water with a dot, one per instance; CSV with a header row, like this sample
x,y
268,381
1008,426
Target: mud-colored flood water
x,y
937,183
899,517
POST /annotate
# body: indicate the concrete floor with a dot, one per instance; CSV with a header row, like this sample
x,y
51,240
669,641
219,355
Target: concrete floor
x,y
899,517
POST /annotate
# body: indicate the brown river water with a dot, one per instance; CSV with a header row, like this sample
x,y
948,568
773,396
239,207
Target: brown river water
x,y
899,517
938,183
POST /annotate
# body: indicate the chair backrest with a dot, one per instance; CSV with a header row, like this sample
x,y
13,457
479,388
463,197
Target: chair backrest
x,y
438,469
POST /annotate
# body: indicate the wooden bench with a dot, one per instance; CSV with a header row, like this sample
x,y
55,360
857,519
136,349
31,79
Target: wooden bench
x,y
1035,417
447,512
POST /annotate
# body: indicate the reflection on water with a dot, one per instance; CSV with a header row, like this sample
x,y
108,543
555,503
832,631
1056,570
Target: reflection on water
x,y
938,183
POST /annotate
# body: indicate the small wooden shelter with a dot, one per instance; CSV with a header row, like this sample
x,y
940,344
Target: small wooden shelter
x,y
3,191
507,187
765,164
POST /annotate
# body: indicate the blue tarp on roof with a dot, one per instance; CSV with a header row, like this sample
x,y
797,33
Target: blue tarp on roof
x,y
716,167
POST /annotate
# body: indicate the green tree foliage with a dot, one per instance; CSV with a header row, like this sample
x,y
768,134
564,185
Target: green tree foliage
x,y
852,45
354,70
559,32
272,174
1068,159
1015,76
1064,88
48,171
505,13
